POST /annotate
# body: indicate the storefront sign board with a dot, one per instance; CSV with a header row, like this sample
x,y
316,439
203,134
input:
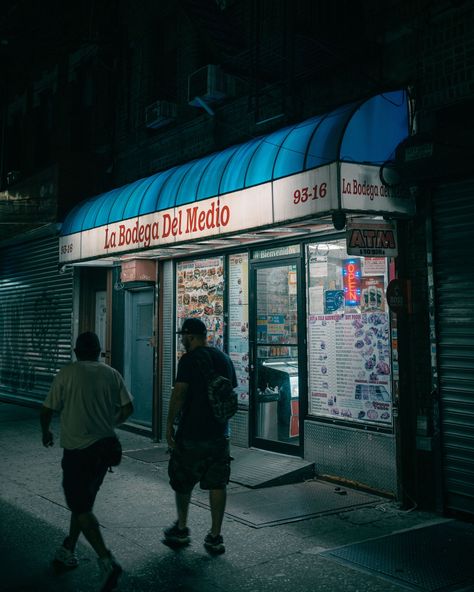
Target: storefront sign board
x,y
304,195
310,193
362,190
372,238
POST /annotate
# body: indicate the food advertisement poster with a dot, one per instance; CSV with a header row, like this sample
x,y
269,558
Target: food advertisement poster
x,y
350,367
239,323
200,293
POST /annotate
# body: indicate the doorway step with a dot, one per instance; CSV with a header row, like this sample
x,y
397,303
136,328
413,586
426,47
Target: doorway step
x,y
258,468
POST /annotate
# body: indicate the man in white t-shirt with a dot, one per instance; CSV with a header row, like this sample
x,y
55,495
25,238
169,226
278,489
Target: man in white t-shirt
x,y
92,400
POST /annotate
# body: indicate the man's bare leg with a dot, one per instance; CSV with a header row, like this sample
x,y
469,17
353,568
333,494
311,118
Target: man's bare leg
x,y
182,507
217,501
89,526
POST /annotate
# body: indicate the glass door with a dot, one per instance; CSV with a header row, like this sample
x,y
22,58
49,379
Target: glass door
x,y
275,356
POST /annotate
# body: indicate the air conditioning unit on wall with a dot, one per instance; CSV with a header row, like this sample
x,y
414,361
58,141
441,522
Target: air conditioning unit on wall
x,y
160,113
208,83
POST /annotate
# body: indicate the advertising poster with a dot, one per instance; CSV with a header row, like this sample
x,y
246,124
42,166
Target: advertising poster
x,y
200,293
333,300
350,368
372,294
239,323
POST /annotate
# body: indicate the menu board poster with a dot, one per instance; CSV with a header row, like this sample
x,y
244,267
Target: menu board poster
x,y
350,367
238,327
200,293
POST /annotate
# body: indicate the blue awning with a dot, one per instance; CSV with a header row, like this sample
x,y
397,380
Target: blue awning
x,y
363,132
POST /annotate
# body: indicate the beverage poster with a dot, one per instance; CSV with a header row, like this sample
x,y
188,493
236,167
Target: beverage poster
x,y
372,294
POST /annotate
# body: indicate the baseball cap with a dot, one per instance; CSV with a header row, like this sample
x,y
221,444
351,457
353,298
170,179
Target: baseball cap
x,y
192,327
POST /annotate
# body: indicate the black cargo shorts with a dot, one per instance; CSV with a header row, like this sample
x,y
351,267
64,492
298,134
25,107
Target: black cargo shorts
x,y
83,473
206,462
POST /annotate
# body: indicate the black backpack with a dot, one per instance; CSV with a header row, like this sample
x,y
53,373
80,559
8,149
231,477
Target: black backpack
x,y
222,397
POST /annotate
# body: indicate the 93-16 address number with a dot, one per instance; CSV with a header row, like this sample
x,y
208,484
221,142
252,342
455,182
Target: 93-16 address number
x,y
306,193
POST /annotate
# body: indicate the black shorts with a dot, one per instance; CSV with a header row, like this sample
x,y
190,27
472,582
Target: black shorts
x,y
203,461
83,473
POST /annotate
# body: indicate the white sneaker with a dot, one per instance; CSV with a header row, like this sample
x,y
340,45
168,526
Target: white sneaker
x,y
66,557
110,571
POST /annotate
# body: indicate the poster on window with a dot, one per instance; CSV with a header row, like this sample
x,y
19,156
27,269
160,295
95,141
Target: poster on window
x,y
200,293
372,294
350,368
239,323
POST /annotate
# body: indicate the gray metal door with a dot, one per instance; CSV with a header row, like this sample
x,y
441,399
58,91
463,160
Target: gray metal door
x,y
453,232
138,366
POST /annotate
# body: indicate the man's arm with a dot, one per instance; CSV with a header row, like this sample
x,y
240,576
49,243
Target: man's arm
x,y
178,396
124,413
46,414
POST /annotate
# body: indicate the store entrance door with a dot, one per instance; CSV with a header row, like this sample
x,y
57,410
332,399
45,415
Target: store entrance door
x,y
276,356
139,353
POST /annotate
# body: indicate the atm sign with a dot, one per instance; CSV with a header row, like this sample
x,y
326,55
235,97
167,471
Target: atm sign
x,y
371,238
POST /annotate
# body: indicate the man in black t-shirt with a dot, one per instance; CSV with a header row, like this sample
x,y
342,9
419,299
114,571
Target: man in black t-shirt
x,y
200,444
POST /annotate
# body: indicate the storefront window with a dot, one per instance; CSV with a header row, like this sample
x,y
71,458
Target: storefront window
x,y
349,355
200,293
239,322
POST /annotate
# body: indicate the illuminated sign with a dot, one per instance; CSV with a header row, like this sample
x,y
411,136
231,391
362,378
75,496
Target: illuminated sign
x,y
351,280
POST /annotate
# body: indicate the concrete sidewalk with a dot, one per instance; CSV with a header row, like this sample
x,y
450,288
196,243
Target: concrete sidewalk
x,y
136,503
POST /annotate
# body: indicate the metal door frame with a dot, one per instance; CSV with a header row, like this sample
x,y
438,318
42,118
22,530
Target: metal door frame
x,y
254,441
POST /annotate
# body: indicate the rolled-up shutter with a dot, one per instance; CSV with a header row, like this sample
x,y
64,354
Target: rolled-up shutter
x,y
35,317
453,234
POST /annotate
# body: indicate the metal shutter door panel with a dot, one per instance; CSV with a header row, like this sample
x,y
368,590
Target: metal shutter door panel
x,y
35,318
453,226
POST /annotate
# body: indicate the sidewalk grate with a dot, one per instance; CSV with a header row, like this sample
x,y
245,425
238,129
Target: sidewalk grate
x,y
288,503
435,558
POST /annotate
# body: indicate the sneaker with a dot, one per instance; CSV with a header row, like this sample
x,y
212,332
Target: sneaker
x,y
110,572
214,544
177,536
66,557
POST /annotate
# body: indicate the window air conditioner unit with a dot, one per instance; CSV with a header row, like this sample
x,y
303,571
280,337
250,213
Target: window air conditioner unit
x,y
159,113
208,83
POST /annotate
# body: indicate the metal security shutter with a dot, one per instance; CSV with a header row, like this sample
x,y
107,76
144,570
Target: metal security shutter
x,y
453,233
35,317
168,339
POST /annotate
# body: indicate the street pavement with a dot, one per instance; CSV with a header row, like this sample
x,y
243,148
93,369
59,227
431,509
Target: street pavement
x,y
135,503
